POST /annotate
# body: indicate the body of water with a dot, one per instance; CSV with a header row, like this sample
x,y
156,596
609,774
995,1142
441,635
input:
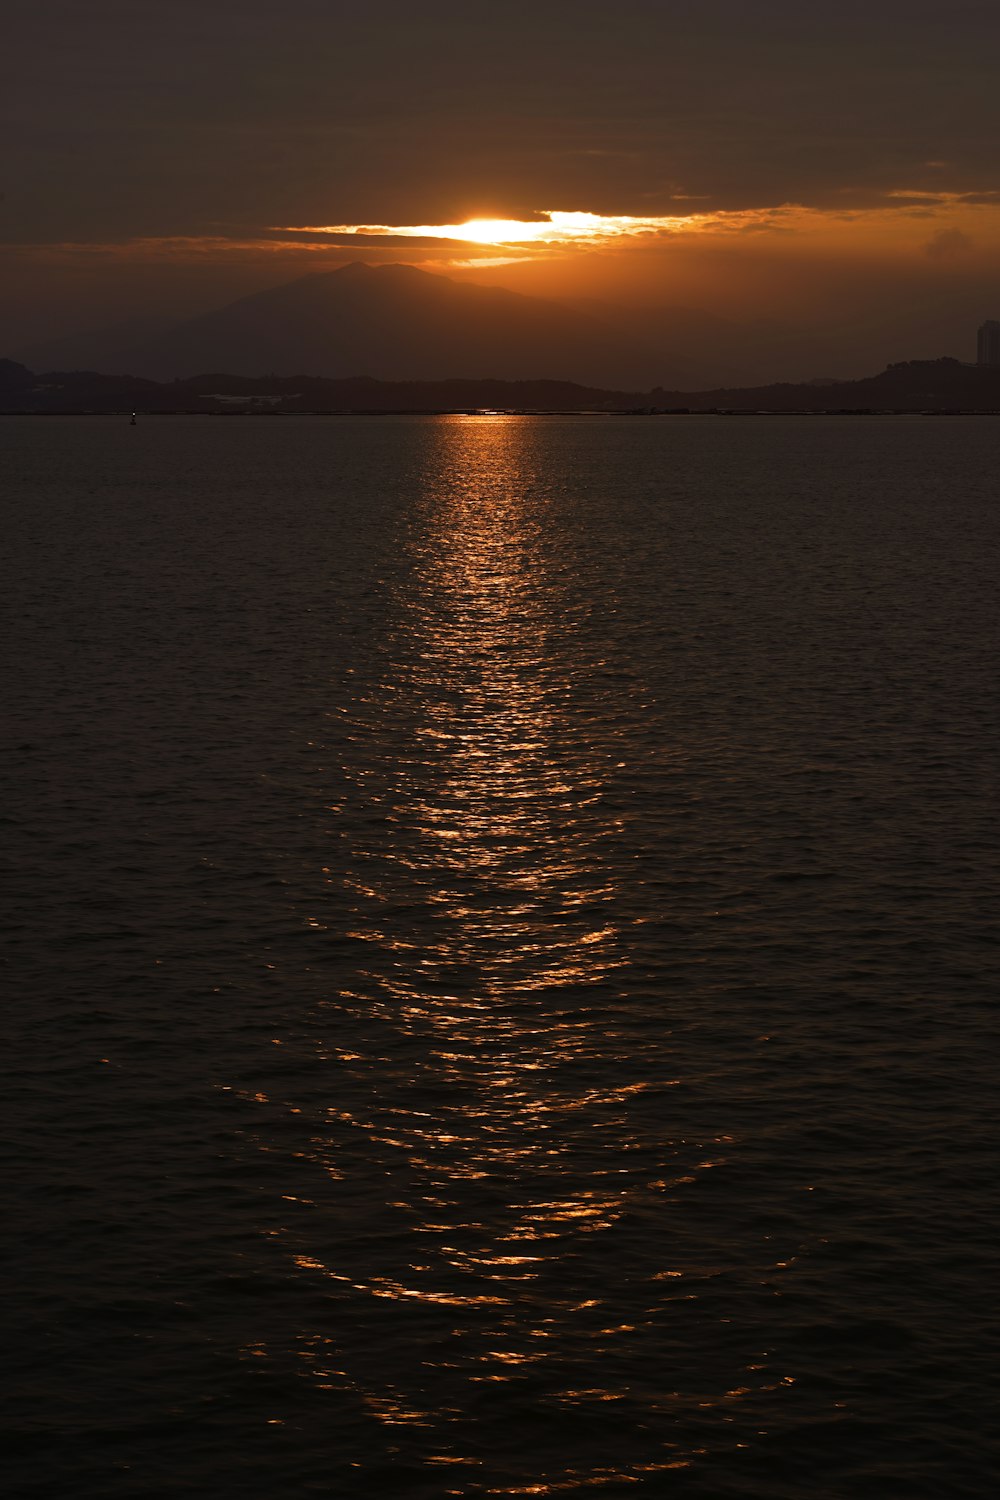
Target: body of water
x,y
500,946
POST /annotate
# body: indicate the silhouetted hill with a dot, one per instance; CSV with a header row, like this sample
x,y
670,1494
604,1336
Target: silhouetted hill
x,y
82,390
14,377
399,323
919,385
915,385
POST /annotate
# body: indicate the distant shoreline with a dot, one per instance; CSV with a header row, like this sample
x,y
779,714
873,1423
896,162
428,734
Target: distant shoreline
x,y
462,411
914,388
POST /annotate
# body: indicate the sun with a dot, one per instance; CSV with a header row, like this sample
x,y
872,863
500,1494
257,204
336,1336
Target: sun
x,y
501,231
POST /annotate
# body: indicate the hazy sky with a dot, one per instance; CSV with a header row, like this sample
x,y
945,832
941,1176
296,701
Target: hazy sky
x,y
835,165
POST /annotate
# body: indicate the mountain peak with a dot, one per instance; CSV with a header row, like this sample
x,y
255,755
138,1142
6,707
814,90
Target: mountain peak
x,y
363,268
398,322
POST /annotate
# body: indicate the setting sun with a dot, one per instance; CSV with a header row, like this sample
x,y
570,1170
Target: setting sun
x,y
502,231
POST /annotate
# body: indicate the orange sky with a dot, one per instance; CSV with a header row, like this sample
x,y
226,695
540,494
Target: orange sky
x,y
762,161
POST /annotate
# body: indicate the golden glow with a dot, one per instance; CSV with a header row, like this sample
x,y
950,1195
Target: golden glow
x,y
554,227
935,233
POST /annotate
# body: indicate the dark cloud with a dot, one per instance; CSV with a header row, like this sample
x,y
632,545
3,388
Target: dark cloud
x,y
134,118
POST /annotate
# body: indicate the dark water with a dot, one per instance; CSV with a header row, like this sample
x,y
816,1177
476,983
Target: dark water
x,y
501,957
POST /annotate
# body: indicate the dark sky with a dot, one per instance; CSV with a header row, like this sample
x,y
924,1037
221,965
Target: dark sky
x,y
154,147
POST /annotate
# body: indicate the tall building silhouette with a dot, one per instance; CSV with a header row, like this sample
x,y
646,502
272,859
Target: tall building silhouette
x,y
988,343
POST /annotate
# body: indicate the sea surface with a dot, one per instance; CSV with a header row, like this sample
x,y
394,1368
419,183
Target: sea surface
x,y
500,947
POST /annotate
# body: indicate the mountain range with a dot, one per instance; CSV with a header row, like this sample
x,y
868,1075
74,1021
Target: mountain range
x,y
395,323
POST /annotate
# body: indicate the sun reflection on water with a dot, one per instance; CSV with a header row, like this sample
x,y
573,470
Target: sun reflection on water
x,y
485,1073
490,860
